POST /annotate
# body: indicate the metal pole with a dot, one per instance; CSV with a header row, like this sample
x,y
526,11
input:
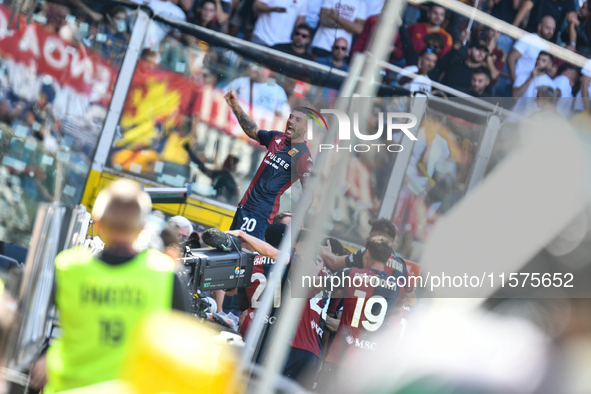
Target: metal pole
x,y
130,60
418,108
484,151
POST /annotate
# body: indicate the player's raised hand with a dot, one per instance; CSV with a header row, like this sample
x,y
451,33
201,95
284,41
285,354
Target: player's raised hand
x,y
326,255
231,98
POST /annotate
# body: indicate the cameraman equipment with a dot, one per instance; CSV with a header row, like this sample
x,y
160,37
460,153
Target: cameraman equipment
x,y
211,269
221,241
168,195
193,242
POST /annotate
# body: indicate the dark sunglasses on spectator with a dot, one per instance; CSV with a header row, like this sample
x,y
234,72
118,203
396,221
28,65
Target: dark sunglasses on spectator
x,y
341,48
303,35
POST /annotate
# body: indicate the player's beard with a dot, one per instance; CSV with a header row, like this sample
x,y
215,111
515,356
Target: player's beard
x,y
294,134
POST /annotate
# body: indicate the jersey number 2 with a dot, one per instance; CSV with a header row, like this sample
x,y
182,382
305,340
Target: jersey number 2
x,y
372,322
255,302
314,304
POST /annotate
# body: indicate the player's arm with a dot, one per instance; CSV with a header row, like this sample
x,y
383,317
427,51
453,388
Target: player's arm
x,y
332,261
248,125
261,247
197,161
519,91
260,7
326,19
335,263
332,324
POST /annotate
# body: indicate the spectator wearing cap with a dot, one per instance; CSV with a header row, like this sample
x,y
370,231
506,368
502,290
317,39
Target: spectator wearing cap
x,y
459,64
420,83
339,52
277,20
522,58
481,79
560,10
338,19
417,31
300,39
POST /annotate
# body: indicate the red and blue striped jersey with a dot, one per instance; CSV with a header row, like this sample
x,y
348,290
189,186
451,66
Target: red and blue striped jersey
x,y
283,164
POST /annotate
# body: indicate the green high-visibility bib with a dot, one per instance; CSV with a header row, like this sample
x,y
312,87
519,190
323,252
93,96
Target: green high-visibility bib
x,y
99,308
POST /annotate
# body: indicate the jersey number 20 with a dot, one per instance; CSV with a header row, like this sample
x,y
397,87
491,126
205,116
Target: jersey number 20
x,y
248,224
372,322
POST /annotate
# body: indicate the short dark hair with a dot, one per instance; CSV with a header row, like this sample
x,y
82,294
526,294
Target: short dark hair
x,y
274,234
482,70
304,26
336,246
433,5
564,67
379,248
435,38
170,237
280,216
303,110
115,10
546,53
383,225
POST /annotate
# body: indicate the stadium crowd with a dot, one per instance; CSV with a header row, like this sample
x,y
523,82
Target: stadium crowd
x,y
481,62
433,43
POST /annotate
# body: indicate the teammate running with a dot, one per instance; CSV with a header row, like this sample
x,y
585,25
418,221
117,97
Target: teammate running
x,y
287,160
368,303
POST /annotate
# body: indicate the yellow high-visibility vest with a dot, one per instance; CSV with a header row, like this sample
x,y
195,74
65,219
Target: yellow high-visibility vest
x,y
99,307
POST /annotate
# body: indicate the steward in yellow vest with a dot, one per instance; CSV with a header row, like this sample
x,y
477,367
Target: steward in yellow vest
x,y
101,299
